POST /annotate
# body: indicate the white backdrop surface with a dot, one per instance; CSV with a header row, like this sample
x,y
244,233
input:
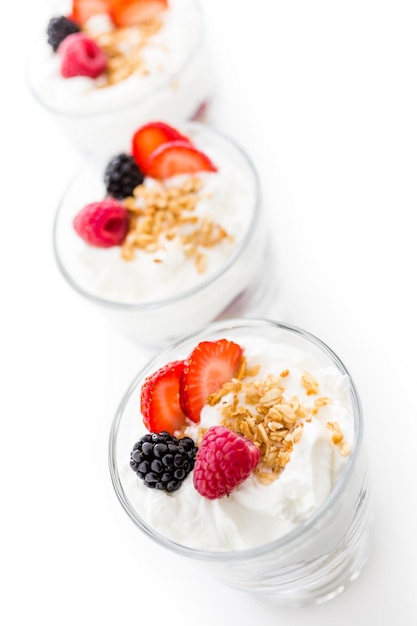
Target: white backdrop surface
x,y
323,96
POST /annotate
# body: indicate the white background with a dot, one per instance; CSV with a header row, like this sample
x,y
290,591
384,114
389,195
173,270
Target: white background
x,y
323,96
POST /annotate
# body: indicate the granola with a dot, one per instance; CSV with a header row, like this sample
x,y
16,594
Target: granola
x,y
260,411
123,48
161,213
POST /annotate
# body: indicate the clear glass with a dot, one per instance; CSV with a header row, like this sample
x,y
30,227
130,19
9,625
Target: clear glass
x,y
244,285
108,124
314,562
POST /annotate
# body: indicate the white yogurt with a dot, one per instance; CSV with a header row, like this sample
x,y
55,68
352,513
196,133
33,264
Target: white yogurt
x,y
254,513
162,300
177,83
228,198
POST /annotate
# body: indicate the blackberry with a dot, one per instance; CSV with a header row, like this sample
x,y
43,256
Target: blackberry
x,y
58,29
162,461
121,176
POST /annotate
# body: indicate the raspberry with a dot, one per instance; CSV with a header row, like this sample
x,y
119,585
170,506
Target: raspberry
x,y
58,29
81,56
102,224
162,461
121,176
224,460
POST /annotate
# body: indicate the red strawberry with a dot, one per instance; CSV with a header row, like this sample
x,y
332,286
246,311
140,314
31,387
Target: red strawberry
x,y
133,12
177,157
224,460
82,10
159,399
148,137
102,224
209,366
81,56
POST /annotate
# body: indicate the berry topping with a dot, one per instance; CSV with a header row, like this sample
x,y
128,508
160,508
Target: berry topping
x,y
209,366
82,10
81,56
149,137
224,460
102,224
58,29
177,157
163,461
159,399
133,12
121,176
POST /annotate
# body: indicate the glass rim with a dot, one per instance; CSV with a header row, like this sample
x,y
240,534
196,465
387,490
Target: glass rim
x,y
258,551
202,284
172,76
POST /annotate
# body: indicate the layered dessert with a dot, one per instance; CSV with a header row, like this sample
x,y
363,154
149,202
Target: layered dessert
x,y
169,233
106,66
235,441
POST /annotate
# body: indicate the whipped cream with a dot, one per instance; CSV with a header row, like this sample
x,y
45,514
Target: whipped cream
x,y
254,513
176,83
162,295
227,198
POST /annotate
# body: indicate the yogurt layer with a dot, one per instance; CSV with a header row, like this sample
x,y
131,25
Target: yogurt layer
x,y
256,513
228,197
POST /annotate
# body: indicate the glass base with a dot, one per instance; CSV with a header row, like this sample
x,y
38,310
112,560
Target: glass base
x,y
318,580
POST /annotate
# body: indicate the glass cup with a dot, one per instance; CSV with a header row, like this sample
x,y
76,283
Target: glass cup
x,y
313,561
242,284
103,119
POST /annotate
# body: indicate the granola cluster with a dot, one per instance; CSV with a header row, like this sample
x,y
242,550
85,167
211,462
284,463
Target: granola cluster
x,y
123,48
161,213
268,418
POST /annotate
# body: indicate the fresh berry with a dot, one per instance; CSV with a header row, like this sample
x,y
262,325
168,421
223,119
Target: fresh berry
x,y
163,461
159,399
102,224
209,366
177,157
82,10
58,29
149,137
121,176
132,12
224,460
81,56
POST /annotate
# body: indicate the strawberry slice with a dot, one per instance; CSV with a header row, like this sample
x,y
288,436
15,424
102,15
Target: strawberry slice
x,y
82,10
177,157
159,399
132,12
149,137
209,366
